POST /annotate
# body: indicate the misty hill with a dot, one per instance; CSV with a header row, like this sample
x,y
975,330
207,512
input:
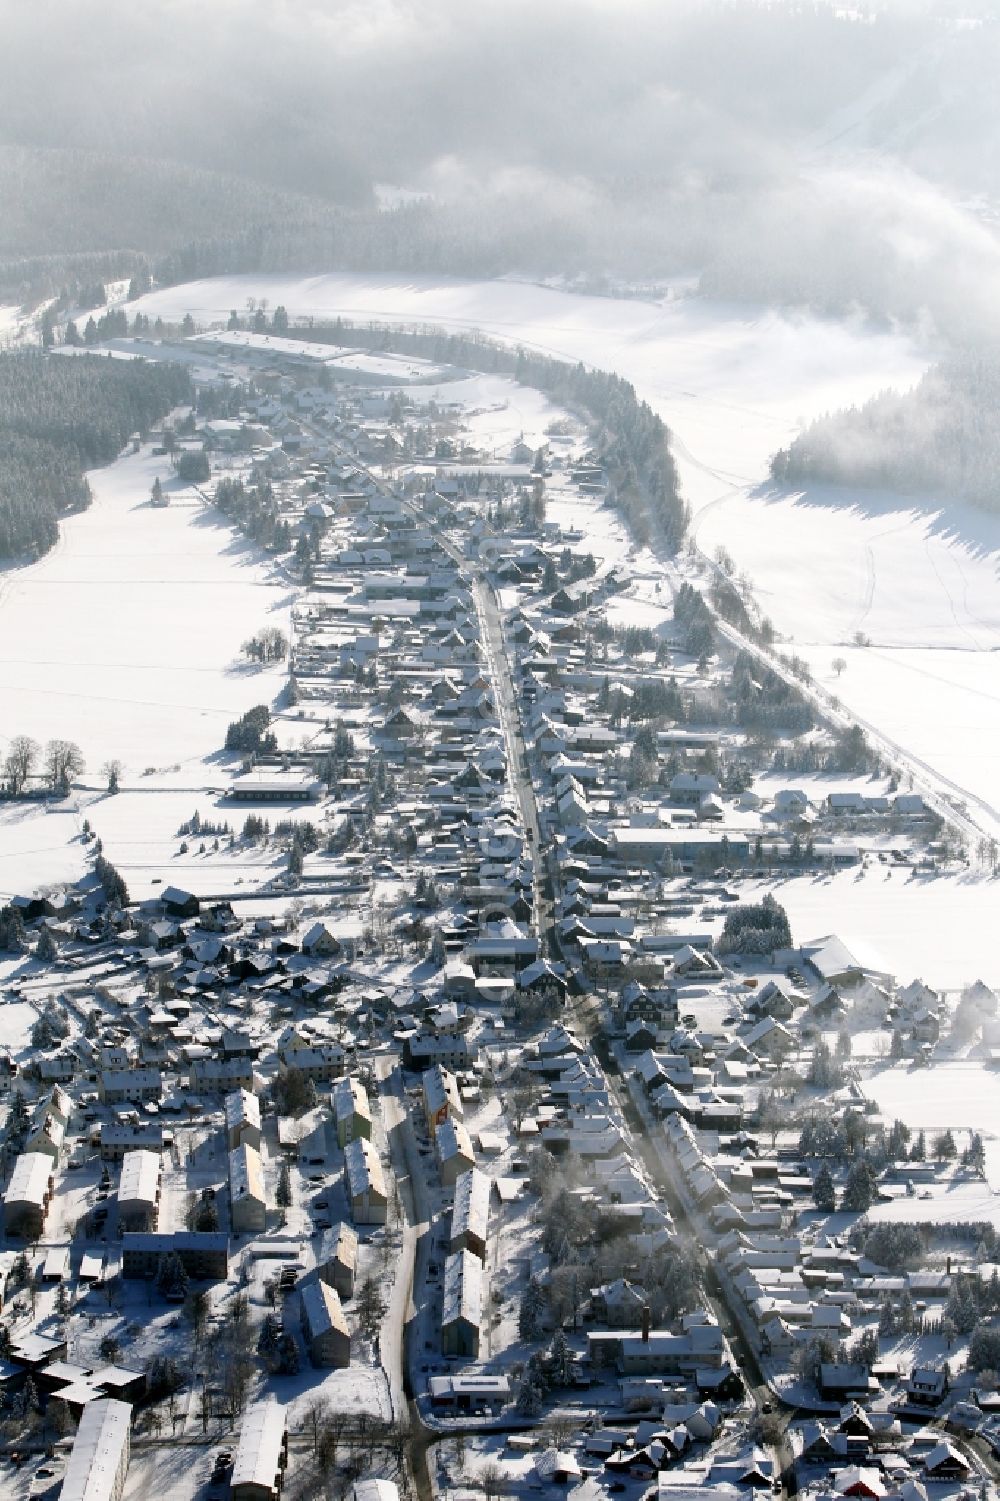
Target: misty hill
x,y
58,202
835,157
943,437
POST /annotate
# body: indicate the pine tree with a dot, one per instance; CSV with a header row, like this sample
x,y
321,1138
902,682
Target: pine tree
x,y
46,949
286,1354
171,1278
370,1308
531,1390
560,1359
906,1315
860,1190
529,1319
270,1333
974,1155
824,1192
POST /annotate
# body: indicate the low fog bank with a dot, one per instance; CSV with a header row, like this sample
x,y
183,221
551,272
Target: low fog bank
x,y
838,159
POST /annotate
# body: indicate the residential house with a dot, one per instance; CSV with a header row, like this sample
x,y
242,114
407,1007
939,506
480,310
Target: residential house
x,y
455,1152
178,903
351,1111
441,1097
98,1461
462,1305
262,1453
139,1190
364,1182
247,1199
340,1268
926,1386
470,1213
129,1086
118,1139
204,1254
221,1075
242,1120
324,1327
26,1200
321,942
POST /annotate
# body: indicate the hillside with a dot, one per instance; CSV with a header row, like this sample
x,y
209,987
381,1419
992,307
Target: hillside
x,y
63,202
794,155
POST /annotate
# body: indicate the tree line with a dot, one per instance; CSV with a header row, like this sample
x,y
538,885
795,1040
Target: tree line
x,y
59,417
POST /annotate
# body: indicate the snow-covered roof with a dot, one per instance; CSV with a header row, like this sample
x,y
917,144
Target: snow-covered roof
x,y
261,1437
93,1466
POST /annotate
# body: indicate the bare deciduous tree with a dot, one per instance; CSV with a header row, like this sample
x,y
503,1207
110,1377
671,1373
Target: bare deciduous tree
x,y
63,762
113,771
20,762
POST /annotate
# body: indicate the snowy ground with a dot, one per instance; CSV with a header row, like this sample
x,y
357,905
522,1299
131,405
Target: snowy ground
x,y
496,411
735,384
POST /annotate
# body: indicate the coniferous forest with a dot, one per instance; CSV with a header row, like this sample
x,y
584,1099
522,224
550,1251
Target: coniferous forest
x,y
60,416
941,438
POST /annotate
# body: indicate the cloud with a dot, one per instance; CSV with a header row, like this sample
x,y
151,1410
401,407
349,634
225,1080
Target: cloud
x,y
785,152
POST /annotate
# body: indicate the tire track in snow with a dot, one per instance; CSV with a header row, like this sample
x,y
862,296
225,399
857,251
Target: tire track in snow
x,y
948,595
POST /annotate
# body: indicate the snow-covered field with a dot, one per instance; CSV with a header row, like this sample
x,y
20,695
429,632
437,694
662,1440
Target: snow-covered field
x,y
496,412
938,928
922,588
126,639
962,1096
735,384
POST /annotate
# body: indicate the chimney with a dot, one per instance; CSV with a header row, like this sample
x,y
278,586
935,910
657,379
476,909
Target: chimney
x,y
645,1325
